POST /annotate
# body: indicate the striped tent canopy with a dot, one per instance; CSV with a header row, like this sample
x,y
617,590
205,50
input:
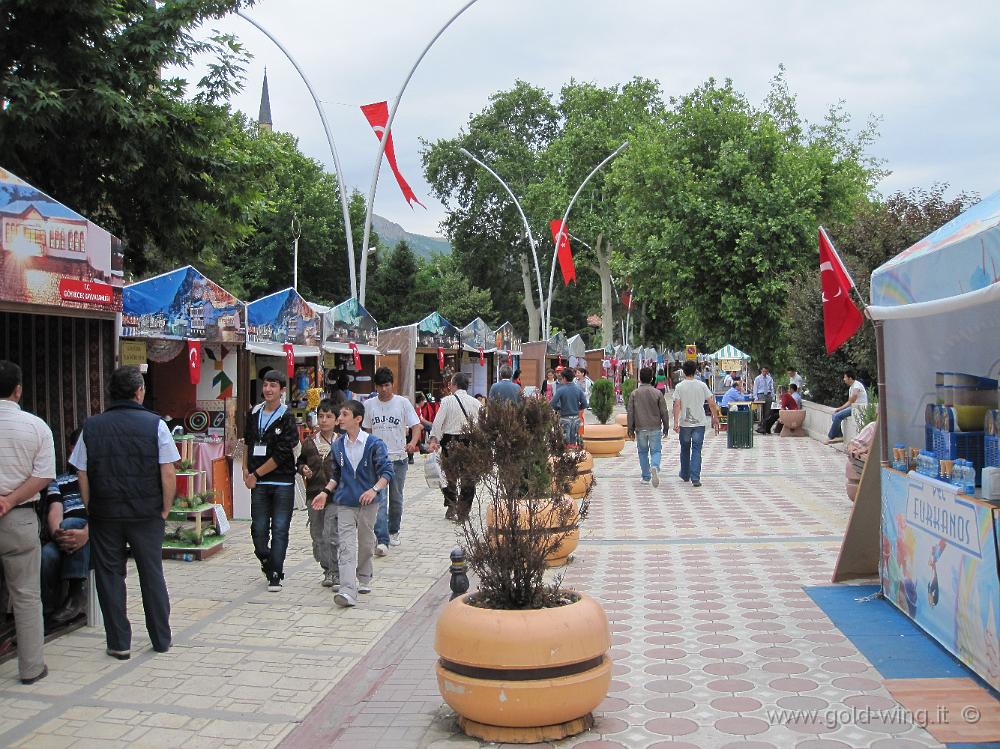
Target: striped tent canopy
x,y
730,352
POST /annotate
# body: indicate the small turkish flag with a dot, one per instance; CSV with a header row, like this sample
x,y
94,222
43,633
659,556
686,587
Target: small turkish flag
x,y
378,117
357,356
289,350
194,360
841,319
482,358
627,299
440,358
560,235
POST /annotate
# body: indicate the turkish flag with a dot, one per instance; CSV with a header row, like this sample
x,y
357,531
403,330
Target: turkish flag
x,y
841,319
378,117
289,350
440,358
627,299
565,255
357,356
194,360
482,358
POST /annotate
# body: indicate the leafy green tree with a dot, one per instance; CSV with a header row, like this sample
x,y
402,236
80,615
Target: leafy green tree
x,y
440,285
720,202
880,230
390,291
86,116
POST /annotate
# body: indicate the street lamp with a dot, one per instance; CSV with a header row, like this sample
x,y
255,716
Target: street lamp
x,y
527,226
333,151
562,230
381,150
296,233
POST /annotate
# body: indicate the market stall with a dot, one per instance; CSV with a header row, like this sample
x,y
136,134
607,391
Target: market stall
x,y
350,345
478,359
423,355
507,347
60,292
727,360
935,308
577,351
556,352
283,333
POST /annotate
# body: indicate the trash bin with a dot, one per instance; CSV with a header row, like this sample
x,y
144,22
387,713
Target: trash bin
x,y
740,432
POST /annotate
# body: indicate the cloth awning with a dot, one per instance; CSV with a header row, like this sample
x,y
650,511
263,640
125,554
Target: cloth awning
x,y
336,347
277,349
730,352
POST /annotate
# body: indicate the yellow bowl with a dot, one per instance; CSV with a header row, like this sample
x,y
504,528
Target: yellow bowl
x,y
970,418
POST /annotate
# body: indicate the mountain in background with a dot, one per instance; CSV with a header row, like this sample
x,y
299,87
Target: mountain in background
x,y
390,233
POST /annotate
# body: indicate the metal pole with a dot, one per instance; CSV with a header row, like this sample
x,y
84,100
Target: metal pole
x,y
883,407
527,226
333,150
562,229
381,150
296,233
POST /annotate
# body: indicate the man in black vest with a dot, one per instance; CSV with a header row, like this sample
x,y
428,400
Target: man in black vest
x,y
125,458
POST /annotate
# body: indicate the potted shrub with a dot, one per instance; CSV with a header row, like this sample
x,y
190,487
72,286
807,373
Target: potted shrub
x,y
521,659
628,385
603,440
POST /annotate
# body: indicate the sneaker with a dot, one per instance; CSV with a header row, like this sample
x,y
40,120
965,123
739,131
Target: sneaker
x,y
265,567
644,482
122,655
335,587
682,478
655,477
695,483
328,579
41,675
381,550
343,599
394,539
274,582
364,589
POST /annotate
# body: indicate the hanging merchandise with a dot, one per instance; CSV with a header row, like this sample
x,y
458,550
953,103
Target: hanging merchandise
x,y
194,360
441,357
289,350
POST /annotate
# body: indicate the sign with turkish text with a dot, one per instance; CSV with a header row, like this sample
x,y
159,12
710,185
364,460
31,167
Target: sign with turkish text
x,y
133,353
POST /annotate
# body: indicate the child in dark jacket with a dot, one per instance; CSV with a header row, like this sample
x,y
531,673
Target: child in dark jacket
x,y
359,469
314,467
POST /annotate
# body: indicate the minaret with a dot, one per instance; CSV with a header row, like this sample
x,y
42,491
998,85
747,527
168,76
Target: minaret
x,y
264,118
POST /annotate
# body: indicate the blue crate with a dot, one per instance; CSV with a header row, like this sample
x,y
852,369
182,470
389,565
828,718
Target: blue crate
x,y
968,445
928,437
991,450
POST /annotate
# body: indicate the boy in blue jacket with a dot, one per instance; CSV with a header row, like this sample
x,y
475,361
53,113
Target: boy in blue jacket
x,y
359,469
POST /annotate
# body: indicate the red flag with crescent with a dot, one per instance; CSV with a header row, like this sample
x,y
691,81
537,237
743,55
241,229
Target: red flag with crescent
x,y
482,358
377,115
289,350
356,354
841,318
441,358
560,236
194,360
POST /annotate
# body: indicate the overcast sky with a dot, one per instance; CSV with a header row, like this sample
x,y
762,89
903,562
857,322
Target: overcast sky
x,y
931,70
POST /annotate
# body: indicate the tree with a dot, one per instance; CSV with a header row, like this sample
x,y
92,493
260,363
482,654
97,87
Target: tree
x,y
440,285
880,230
720,201
87,117
390,291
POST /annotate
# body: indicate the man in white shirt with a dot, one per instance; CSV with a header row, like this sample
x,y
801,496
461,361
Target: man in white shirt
x,y
388,417
856,396
794,378
763,386
27,465
456,411
690,397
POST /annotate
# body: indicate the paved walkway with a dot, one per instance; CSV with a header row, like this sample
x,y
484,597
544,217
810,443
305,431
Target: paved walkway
x,y
704,589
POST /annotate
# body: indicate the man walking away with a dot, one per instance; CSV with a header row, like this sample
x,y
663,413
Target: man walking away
x,y
314,467
125,462
648,422
856,396
388,417
27,465
456,411
505,389
570,402
271,436
690,397
359,469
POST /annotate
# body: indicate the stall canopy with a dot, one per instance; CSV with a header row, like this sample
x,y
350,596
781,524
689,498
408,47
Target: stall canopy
x,y
436,332
557,345
349,323
729,352
476,337
577,350
280,318
51,255
506,339
182,304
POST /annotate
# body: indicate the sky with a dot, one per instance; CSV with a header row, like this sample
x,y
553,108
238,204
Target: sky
x,y
928,69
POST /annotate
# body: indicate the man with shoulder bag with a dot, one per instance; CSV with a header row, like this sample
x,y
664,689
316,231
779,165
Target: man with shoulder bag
x,y
457,410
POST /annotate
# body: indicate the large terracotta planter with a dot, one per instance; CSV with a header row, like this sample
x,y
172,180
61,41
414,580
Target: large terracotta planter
x,y
523,676
549,522
622,421
604,440
584,476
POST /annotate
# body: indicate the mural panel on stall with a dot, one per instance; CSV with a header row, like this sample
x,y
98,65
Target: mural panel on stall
x,y
506,339
939,567
283,317
436,332
476,336
349,322
182,304
51,255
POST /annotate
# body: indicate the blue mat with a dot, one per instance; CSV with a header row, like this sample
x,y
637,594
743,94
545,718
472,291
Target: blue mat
x,y
891,642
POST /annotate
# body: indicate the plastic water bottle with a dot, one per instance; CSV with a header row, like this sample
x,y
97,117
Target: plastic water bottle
x,y
968,477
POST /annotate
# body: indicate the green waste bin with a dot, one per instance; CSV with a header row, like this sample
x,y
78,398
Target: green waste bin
x,y
740,432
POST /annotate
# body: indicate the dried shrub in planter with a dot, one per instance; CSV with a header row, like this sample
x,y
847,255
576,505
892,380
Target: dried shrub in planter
x,y
517,455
